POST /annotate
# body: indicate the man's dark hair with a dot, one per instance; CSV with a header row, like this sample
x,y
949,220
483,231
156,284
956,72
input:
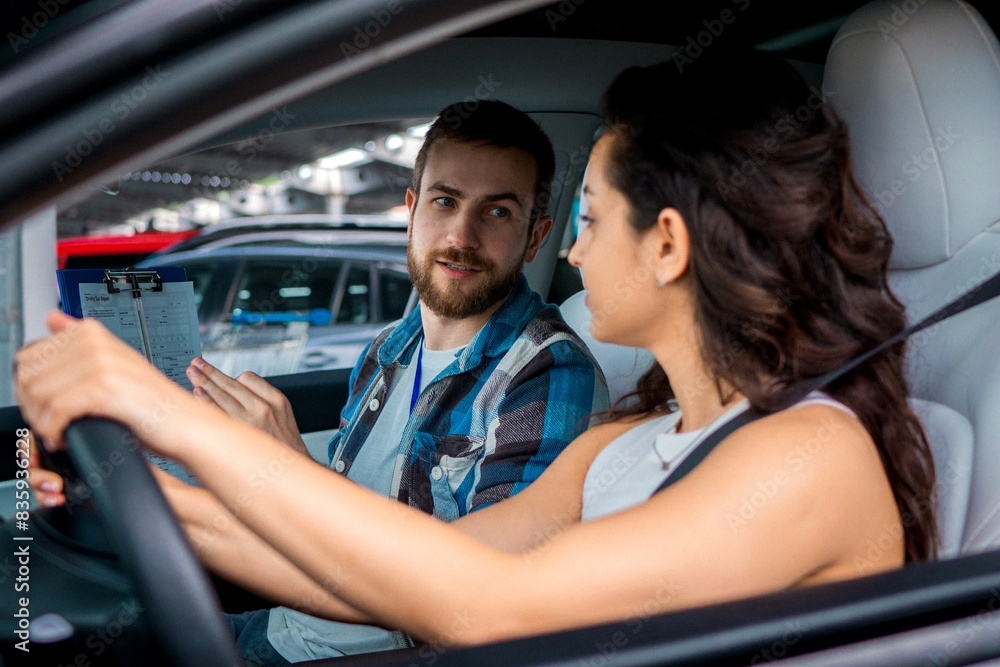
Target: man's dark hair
x,y
494,123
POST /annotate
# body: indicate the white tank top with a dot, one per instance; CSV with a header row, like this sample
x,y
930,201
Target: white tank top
x,y
631,467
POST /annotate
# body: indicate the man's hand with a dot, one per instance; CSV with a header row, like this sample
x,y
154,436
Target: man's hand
x,y
249,398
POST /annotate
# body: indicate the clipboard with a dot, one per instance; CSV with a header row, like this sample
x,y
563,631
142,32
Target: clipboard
x,y
153,310
69,281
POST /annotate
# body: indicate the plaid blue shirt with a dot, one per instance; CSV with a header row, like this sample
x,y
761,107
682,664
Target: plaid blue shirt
x,y
522,389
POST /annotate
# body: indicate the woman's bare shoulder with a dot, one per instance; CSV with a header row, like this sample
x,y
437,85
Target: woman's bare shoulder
x,y
815,468
809,430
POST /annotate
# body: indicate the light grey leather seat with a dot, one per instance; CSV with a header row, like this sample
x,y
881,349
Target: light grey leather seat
x,y
622,366
948,431
951,439
918,85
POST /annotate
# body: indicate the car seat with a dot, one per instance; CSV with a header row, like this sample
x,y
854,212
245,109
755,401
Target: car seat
x,y
918,85
622,366
948,431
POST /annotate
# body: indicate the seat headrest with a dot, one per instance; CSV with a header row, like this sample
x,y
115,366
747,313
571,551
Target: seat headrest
x,y
918,85
622,366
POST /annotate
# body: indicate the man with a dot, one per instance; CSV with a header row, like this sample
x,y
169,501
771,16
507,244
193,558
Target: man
x,y
460,405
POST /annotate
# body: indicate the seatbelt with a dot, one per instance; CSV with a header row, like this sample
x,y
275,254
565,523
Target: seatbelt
x,y
794,393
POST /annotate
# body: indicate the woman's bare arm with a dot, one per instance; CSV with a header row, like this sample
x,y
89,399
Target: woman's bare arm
x,y
399,566
530,520
234,552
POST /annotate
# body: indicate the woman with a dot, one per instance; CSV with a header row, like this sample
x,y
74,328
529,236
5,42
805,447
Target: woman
x,y
725,233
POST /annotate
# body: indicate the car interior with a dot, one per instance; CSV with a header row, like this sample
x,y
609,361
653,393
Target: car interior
x,y
944,224
917,84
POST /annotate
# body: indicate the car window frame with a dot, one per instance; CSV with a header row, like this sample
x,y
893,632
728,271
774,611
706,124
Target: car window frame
x,y
977,574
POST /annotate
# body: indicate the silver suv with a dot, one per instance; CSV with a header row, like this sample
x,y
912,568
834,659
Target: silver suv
x,y
284,294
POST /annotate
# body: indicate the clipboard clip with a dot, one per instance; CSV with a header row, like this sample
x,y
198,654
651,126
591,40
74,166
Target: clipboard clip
x,y
133,280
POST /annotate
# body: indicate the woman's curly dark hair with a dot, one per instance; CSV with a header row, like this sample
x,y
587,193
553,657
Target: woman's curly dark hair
x,y
789,259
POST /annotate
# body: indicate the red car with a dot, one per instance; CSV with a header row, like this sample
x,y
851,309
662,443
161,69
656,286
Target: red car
x,y
95,252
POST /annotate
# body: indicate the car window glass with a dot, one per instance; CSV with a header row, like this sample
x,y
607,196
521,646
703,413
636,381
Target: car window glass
x,y
276,287
355,306
200,276
267,226
566,280
394,293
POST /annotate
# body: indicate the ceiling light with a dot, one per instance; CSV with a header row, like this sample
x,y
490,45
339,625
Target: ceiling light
x,y
344,158
394,142
418,131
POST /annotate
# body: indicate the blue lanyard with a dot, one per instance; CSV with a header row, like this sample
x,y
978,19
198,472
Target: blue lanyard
x,y
416,378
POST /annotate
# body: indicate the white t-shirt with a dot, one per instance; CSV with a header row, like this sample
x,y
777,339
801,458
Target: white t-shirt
x,y
297,636
630,468
381,458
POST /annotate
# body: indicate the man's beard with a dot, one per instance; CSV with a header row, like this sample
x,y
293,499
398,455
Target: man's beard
x,y
455,302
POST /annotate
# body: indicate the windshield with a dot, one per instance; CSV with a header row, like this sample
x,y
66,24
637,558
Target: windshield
x,y
293,242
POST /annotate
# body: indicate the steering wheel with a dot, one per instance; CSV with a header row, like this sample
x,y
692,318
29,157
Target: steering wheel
x,y
179,601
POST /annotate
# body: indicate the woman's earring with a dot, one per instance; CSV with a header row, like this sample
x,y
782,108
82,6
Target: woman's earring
x,y
662,282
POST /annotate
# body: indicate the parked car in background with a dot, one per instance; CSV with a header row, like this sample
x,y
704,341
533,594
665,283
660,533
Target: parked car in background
x,y
281,294
92,252
128,84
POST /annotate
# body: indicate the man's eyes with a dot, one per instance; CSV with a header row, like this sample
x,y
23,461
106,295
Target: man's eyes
x,y
493,211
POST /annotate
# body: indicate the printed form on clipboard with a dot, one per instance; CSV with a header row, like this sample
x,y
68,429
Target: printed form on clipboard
x,y
151,310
